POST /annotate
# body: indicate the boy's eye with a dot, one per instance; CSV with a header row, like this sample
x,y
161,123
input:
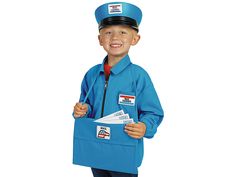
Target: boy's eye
x,y
123,32
108,32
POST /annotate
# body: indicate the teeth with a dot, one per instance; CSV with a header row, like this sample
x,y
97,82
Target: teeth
x,y
115,45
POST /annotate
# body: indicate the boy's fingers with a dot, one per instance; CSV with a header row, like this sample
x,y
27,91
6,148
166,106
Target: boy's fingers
x,y
78,104
76,107
130,125
130,132
81,106
133,127
84,106
78,115
133,134
80,112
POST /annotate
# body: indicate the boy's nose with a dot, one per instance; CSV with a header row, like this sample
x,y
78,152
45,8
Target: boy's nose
x,y
115,35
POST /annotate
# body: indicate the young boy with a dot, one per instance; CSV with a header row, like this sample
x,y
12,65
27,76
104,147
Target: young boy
x,y
117,77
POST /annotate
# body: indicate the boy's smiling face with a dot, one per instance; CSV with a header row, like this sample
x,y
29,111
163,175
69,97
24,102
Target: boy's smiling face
x,y
117,39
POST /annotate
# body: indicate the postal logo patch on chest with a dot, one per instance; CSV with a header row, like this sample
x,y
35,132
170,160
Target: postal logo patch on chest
x,y
126,99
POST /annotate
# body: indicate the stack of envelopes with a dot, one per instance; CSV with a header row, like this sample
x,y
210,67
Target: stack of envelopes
x,y
118,117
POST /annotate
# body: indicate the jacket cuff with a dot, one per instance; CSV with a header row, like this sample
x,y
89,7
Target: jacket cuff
x,y
150,129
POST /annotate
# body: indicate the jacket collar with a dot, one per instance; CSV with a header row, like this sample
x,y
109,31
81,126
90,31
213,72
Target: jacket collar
x,y
120,66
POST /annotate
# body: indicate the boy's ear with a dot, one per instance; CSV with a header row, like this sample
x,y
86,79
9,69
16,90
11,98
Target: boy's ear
x,y
100,40
136,38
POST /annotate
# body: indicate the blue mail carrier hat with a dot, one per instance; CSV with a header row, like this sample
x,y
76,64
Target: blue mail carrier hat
x,y
118,13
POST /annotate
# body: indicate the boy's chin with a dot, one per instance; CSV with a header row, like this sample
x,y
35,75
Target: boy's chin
x,y
116,54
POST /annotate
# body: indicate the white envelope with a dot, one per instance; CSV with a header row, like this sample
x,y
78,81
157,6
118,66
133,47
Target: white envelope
x,y
121,117
117,121
116,118
118,113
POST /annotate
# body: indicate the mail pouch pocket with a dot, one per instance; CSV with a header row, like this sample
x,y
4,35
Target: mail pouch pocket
x,y
104,146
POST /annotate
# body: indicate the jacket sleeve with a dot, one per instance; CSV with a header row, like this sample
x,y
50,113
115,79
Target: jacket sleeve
x,y
149,107
84,90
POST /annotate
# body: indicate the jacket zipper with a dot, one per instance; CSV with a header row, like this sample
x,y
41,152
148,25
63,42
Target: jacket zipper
x,y
104,97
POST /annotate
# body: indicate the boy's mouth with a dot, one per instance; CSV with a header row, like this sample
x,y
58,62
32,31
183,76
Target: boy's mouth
x,y
115,45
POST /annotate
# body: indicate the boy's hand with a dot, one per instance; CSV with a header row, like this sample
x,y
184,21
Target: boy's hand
x,y
136,130
80,110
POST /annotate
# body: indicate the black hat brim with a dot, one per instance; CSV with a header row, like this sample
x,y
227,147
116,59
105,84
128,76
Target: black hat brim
x,y
118,20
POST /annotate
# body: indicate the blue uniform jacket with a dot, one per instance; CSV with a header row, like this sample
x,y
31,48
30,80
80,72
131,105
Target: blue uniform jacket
x,y
128,79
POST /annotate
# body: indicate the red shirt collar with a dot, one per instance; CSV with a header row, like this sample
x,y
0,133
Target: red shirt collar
x,y
107,69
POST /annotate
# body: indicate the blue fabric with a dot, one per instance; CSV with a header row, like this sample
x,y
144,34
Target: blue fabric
x,y
128,10
126,78
120,153
117,154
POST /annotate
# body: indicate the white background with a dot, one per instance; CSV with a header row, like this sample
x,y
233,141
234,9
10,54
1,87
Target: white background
x,y
187,47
